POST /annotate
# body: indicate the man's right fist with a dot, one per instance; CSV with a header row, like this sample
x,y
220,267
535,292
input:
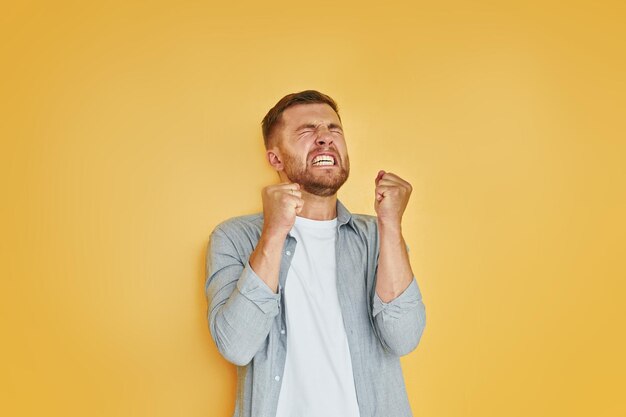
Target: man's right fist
x,y
281,203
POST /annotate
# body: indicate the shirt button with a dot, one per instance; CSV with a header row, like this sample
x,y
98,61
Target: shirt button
x,y
288,253
277,378
282,331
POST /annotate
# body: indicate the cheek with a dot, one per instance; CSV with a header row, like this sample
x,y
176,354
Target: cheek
x,y
342,148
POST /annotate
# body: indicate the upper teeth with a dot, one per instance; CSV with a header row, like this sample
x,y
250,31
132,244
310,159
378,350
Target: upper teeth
x,y
324,160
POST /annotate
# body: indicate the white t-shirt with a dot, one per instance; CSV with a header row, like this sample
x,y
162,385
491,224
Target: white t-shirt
x,y
317,380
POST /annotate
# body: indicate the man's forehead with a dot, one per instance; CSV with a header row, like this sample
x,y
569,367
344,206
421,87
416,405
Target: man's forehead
x,y
310,112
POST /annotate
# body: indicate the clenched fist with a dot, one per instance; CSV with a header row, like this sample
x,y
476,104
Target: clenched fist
x,y
392,197
281,203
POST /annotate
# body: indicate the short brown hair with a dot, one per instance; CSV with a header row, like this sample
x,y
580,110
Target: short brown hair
x,y
273,117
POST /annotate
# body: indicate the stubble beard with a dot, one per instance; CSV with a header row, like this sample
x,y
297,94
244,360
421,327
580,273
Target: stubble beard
x,y
324,184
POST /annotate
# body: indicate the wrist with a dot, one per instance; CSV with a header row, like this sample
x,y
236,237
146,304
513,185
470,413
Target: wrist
x,y
389,226
273,235
265,259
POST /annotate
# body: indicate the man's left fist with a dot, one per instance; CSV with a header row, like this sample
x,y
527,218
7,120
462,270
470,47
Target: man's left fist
x,y
392,197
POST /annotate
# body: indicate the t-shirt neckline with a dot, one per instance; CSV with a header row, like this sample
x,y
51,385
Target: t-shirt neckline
x,y
317,224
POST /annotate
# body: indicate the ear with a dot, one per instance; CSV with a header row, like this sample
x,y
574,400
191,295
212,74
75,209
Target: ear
x,y
274,158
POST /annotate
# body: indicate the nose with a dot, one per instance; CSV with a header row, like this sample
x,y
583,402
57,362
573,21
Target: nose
x,y
324,137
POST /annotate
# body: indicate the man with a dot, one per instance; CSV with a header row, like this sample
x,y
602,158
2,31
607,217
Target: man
x,y
315,305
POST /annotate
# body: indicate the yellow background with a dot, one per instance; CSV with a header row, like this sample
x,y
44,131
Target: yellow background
x,y
130,130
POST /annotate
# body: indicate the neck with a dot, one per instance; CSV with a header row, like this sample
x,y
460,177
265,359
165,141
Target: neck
x,y
318,208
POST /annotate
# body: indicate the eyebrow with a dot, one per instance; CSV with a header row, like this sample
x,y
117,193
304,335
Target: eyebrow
x,y
313,126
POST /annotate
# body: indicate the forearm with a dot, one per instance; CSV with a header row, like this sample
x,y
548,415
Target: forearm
x,y
397,307
266,257
394,269
398,310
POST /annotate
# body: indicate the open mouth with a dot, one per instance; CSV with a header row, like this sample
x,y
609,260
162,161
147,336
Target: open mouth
x,y
323,160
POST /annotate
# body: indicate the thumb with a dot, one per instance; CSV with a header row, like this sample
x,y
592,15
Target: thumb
x,y
379,176
299,208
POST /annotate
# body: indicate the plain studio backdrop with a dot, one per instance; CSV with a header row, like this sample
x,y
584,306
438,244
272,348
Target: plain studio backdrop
x,y
130,130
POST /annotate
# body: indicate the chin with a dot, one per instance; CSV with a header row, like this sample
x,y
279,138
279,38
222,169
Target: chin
x,y
324,189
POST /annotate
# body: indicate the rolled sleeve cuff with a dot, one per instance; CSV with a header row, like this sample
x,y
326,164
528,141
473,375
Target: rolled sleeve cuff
x,y
395,308
256,290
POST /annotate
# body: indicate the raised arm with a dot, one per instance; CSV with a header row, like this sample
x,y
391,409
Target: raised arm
x,y
242,293
398,310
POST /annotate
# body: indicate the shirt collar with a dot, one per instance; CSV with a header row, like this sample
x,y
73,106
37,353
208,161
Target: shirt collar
x,y
343,215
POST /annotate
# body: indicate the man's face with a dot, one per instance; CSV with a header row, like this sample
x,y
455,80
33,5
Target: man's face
x,y
312,148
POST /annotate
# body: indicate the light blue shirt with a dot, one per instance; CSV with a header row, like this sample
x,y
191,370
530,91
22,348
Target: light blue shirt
x,y
248,324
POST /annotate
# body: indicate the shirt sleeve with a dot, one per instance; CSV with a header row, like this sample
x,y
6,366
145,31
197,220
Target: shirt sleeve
x,y
401,321
241,307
